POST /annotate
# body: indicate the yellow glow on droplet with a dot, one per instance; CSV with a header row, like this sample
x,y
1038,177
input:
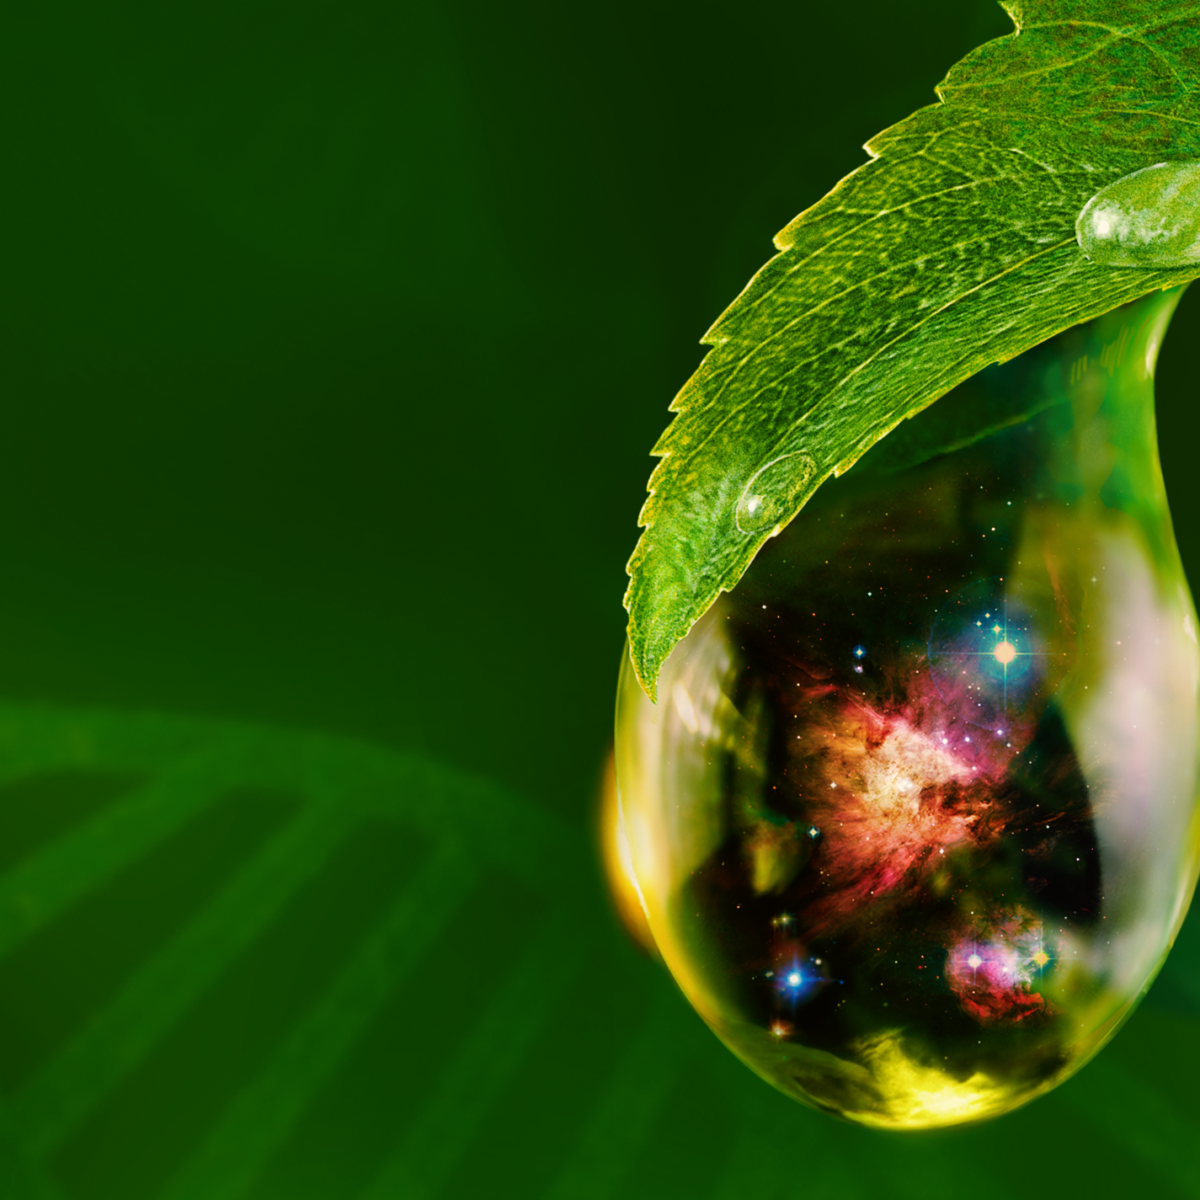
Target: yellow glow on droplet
x,y
1005,652
926,1096
623,887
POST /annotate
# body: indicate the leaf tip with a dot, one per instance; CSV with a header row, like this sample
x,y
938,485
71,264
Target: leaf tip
x,y
647,674
643,644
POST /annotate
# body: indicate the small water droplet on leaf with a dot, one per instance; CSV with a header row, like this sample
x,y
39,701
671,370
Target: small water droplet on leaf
x,y
1150,218
775,492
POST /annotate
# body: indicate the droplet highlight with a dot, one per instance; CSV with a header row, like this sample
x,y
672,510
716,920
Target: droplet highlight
x,y
775,492
1150,218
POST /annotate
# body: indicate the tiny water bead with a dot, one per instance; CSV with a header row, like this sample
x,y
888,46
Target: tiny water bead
x,y
773,492
1150,218
914,856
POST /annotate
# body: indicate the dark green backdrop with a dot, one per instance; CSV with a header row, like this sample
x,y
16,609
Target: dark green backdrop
x,y
336,336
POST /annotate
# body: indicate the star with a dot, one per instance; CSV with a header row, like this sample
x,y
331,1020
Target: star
x,y
1041,958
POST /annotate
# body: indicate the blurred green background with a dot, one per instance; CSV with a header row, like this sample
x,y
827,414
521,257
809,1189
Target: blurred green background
x,y
336,337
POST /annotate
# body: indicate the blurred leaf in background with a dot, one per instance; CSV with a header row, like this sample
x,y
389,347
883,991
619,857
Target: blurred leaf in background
x,y
237,962
335,341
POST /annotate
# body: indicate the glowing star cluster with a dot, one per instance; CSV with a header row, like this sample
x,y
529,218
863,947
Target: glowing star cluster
x,y
997,972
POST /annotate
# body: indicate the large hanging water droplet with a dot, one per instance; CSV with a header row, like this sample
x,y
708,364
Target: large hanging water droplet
x,y
914,821
1150,218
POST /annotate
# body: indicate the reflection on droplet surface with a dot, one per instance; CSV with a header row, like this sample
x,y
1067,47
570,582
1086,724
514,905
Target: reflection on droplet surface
x,y
926,892
774,492
1150,218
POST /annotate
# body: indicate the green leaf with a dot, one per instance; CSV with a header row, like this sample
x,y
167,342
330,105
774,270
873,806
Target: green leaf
x,y
954,248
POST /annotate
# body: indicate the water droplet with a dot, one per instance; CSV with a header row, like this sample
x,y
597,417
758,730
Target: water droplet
x,y
982,843
1150,218
775,492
